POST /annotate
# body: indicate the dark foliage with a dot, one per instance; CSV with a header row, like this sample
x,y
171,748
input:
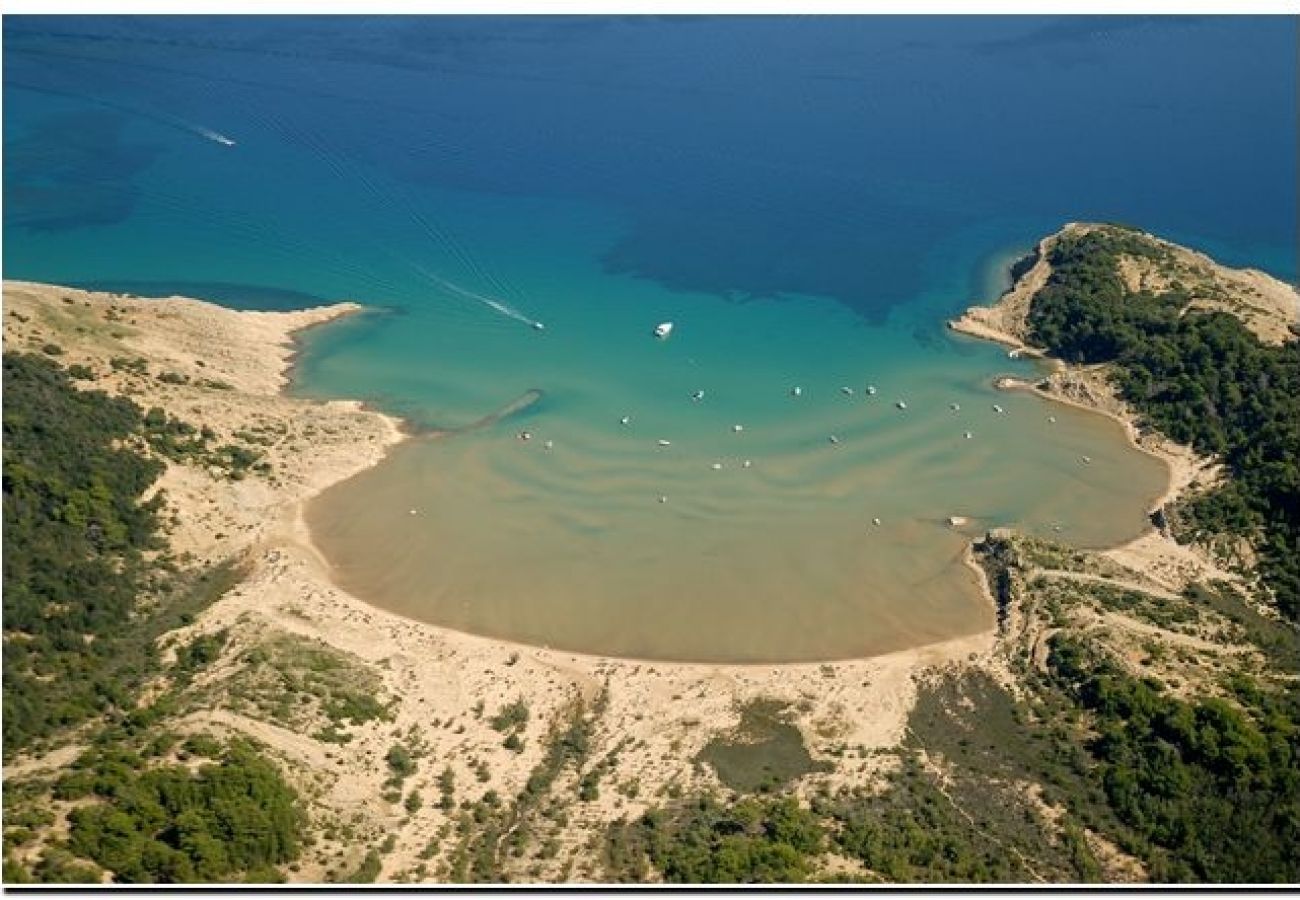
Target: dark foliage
x,y
1201,378
705,842
1212,792
231,819
74,529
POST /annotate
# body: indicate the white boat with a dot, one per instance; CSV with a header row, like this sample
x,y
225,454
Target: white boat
x,y
996,408
717,466
626,420
955,407
967,435
796,392
901,404
538,326
834,439
871,389
738,428
846,391
663,443
698,395
663,329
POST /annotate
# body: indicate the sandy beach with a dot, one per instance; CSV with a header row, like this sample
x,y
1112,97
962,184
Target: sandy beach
x,y
648,721
653,717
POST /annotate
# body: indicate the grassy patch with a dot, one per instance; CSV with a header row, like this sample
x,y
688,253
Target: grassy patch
x,y
764,753
297,682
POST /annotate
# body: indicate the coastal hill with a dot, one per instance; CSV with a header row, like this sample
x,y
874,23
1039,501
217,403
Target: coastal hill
x,y
1269,308
175,648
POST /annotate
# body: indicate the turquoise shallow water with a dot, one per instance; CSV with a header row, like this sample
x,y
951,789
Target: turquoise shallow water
x,y
571,546
808,199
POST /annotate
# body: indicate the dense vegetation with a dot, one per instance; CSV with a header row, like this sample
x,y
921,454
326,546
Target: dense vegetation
x,y
75,532
158,820
85,600
1202,378
705,842
1210,792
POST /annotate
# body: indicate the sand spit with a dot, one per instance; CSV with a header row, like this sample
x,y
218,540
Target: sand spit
x,y
226,370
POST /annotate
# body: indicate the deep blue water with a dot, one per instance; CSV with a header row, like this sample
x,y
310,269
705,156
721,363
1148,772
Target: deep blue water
x,y
807,197
745,156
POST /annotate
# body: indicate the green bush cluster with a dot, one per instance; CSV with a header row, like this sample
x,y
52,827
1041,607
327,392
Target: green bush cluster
x,y
766,841
231,819
1211,792
75,528
1200,377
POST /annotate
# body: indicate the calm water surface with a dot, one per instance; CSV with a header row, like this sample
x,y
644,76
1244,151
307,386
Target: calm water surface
x,y
807,199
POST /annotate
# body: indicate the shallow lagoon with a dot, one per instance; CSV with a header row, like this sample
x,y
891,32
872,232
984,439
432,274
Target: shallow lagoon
x,y
606,542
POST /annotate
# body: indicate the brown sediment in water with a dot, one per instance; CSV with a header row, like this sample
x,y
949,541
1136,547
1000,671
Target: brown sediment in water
x,y
444,533
659,715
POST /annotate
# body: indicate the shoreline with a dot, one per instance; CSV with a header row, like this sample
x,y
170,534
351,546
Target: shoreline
x,y
1175,460
661,714
652,719
655,717
1154,552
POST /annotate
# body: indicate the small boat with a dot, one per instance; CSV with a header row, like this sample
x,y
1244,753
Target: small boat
x,y
875,521
1051,419
538,326
900,404
663,443
834,439
967,435
846,391
697,396
955,407
796,392
716,466
626,420
998,409
549,444
525,435
663,498
1086,459
871,389
737,428
663,329
747,464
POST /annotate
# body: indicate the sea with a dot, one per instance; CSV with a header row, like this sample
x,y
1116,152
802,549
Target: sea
x,y
520,201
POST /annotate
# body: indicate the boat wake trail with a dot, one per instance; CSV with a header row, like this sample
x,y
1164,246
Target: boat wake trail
x,y
211,135
492,303
156,116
